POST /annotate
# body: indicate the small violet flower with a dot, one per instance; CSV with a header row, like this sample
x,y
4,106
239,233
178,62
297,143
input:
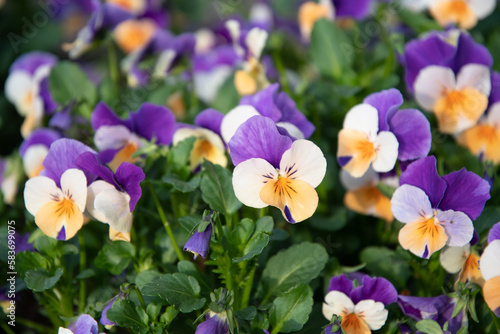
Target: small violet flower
x,y
362,308
215,323
490,269
437,210
377,134
199,243
271,169
85,324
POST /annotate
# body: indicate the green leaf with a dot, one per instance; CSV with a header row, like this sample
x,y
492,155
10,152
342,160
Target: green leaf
x,y
290,311
489,217
418,22
248,313
180,153
429,327
258,240
384,262
217,189
126,314
46,245
87,273
462,330
189,223
298,264
333,223
26,261
178,289
40,279
68,82
331,51
145,277
153,310
386,189
182,186
115,257
169,315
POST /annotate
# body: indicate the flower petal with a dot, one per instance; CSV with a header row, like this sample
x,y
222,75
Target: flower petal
x,y
364,118
54,216
255,41
17,85
475,76
491,292
249,177
113,137
355,152
413,132
387,152
482,8
490,261
74,183
431,83
114,206
458,227
234,118
335,303
372,313
33,159
103,115
410,204
38,192
154,121
341,283
210,119
387,103
452,259
130,177
304,161
494,233
92,191
422,238
377,289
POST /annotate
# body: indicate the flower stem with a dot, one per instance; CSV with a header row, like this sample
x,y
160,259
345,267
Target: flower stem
x,y
113,65
165,222
83,265
245,299
139,295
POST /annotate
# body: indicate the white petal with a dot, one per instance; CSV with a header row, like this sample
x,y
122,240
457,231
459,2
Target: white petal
x,y
353,183
249,177
234,29
256,40
39,191
114,206
335,303
260,12
304,161
92,191
115,137
206,134
328,4
373,313
410,204
490,261
292,129
453,258
234,118
64,331
387,152
493,117
41,73
415,5
364,118
475,76
74,183
163,63
9,188
482,8
458,227
205,40
207,84
431,84
33,159
17,85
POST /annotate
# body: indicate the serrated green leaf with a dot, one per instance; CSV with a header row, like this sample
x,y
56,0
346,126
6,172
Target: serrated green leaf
x,y
126,314
217,189
46,245
153,310
298,264
189,223
248,313
40,279
68,82
26,261
115,257
429,327
145,277
178,289
182,186
258,241
290,310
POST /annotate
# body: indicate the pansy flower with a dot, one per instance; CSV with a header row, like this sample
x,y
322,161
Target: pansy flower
x,y
490,268
27,88
437,211
35,148
439,309
310,12
122,138
85,324
272,103
112,198
462,261
199,243
215,323
362,308
271,169
377,134
464,13
208,144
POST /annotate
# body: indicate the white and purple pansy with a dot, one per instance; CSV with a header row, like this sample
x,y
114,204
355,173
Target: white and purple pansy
x,y
27,88
362,308
120,139
208,144
490,269
35,148
112,197
85,324
271,103
272,169
377,134
437,211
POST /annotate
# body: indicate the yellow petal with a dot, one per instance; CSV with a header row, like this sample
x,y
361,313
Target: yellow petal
x,y
309,13
355,144
369,201
131,35
483,139
245,84
491,291
454,12
354,325
124,155
419,235
470,271
57,214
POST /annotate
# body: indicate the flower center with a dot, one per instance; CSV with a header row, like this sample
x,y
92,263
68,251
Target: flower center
x,y
459,7
353,324
366,149
130,5
65,207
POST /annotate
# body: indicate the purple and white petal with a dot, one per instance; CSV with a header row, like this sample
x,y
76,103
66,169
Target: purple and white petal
x,y
475,76
264,102
431,83
249,177
377,288
234,119
387,103
337,302
304,161
410,204
341,283
210,119
494,233
103,115
458,227
113,137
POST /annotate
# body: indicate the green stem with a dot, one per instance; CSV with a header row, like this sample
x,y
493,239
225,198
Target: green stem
x,y
7,328
67,305
263,212
281,71
33,325
495,321
229,222
245,299
219,227
139,295
113,65
165,222
83,265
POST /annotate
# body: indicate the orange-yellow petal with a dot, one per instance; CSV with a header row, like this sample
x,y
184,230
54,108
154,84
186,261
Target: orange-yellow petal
x,y
131,35
245,83
203,149
309,13
491,291
55,215
470,271
296,199
355,144
423,238
124,155
448,12
115,235
483,139
352,324
369,201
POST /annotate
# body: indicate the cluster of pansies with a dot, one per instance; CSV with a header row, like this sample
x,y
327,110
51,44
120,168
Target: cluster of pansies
x,y
314,112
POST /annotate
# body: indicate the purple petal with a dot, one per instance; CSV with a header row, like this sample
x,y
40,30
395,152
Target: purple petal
x,y
49,104
341,283
264,102
222,55
420,53
413,132
31,61
495,88
357,9
103,115
22,243
258,137
39,137
61,120
88,162
85,325
420,308
387,103
213,325
62,234
466,192
470,52
61,157
378,288
153,121
199,243
290,114
475,238
423,174
104,319
130,176
210,119
494,233
328,330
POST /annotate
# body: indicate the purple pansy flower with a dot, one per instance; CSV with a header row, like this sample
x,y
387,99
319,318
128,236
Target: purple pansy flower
x,y
104,319
215,323
199,243
377,134
85,324
271,169
437,210
360,307
35,148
